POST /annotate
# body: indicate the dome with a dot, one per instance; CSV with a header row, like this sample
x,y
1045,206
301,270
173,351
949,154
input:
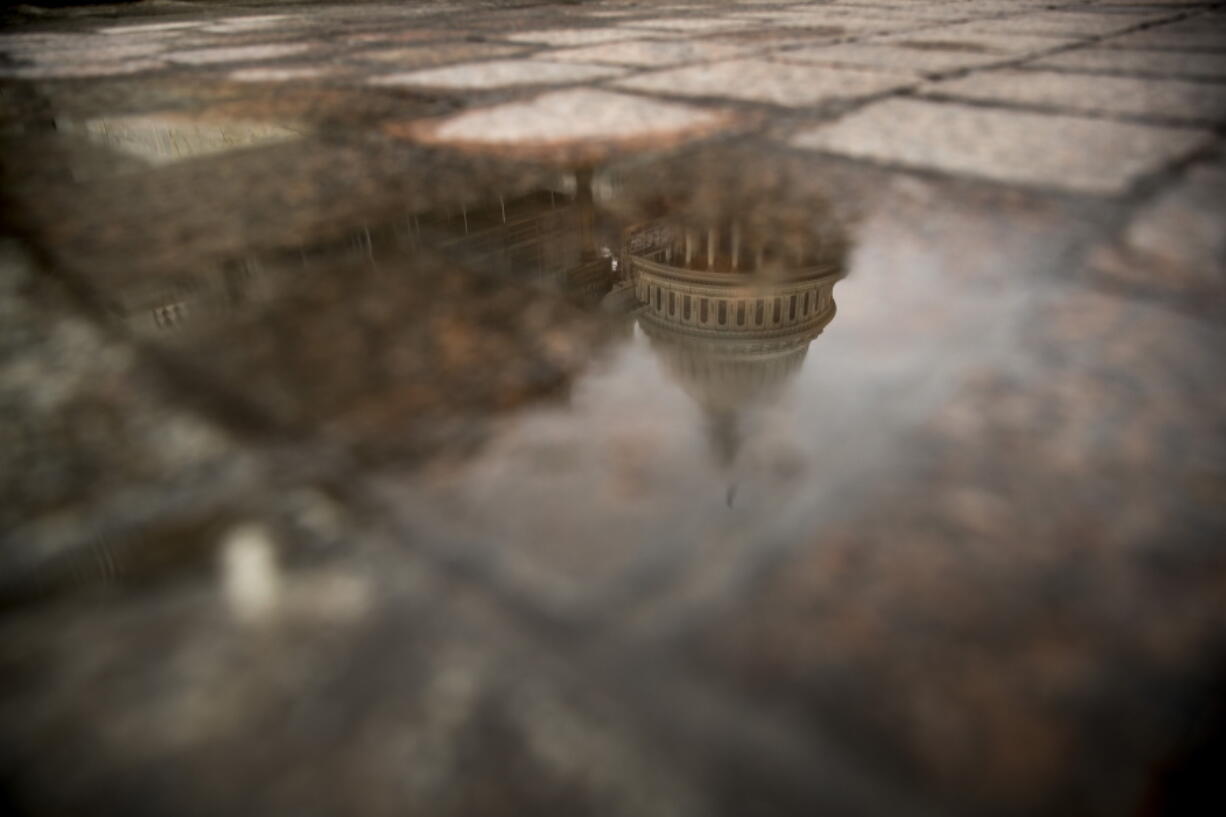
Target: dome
x,y
730,322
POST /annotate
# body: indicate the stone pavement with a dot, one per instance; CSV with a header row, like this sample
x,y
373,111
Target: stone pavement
x,y
613,408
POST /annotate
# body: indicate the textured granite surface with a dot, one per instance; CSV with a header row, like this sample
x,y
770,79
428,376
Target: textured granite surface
x,y
609,408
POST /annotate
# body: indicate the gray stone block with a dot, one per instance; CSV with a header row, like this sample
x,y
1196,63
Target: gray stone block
x,y
764,81
1141,63
1167,99
1064,152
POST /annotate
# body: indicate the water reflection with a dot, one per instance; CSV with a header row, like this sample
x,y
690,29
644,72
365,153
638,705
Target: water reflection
x,y
729,312
729,305
728,301
545,238
609,491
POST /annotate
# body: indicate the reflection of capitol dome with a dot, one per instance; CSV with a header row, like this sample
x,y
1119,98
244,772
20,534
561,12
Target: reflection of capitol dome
x,y
731,321
723,378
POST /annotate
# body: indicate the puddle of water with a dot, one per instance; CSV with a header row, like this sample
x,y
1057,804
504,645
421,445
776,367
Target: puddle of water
x,y
593,381
737,409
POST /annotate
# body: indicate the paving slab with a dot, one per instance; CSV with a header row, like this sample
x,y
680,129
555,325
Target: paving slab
x,y
571,36
1203,38
82,69
651,53
687,24
972,42
1073,153
1171,64
1166,99
145,28
894,57
849,26
248,53
935,12
762,81
590,122
284,73
1059,24
497,74
415,56
1174,245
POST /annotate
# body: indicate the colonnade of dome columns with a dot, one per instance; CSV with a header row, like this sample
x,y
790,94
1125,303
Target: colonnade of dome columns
x,y
747,309
726,249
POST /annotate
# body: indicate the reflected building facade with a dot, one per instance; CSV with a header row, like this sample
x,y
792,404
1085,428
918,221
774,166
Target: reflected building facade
x,y
542,238
545,238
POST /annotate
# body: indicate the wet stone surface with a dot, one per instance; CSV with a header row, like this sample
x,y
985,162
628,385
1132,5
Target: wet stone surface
x,y
605,408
